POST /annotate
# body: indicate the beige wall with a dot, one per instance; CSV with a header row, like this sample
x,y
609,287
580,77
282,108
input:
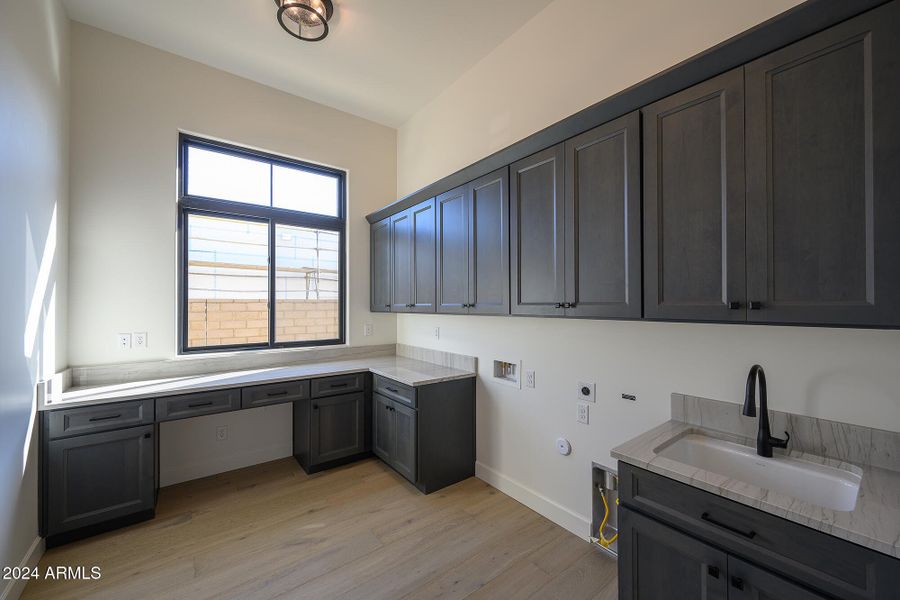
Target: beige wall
x,y
33,197
575,53
129,102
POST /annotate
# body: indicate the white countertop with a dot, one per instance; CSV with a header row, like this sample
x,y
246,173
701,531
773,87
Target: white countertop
x,y
405,370
874,522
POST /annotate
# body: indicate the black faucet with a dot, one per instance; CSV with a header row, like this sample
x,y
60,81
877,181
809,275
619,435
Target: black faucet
x,y
764,440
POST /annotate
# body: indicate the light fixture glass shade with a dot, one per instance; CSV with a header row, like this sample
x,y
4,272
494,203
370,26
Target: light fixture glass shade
x,y
305,19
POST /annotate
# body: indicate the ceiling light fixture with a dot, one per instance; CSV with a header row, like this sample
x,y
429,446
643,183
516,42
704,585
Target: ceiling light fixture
x,y
306,20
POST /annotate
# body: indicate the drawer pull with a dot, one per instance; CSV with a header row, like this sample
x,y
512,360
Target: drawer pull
x,y
339,385
713,571
737,583
394,390
315,407
199,404
147,436
276,394
106,418
747,534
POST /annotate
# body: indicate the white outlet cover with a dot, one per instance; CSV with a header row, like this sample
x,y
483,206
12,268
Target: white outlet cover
x,y
583,414
140,339
367,331
529,379
563,446
437,332
222,432
591,388
123,341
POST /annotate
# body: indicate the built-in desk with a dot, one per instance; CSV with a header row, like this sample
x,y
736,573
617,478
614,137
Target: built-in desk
x,y
99,449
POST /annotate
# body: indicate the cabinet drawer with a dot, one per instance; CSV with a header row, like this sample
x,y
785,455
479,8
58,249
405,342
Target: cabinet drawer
x,y
395,390
103,417
811,557
274,393
194,405
339,384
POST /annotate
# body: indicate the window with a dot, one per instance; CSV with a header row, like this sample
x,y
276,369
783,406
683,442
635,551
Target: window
x,y
261,250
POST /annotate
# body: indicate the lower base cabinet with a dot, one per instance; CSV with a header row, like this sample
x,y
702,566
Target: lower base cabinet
x,y
394,435
96,479
676,541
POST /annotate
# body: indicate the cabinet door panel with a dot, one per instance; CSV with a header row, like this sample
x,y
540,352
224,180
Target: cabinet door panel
x,y
423,257
823,138
336,427
747,582
489,244
694,203
383,428
537,214
453,251
401,262
657,562
98,477
405,441
380,294
603,220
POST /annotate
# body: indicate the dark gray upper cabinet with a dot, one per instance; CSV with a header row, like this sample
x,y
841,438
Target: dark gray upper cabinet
x,y
823,183
694,203
489,244
424,240
453,251
473,247
99,477
380,293
603,221
659,563
537,233
401,262
337,428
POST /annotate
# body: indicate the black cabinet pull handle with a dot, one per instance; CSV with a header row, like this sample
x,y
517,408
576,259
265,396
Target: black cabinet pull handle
x,y
737,583
755,305
147,436
734,305
106,418
558,305
392,390
747,534
387,305
199,404
315,407
275,394
339,385
713,571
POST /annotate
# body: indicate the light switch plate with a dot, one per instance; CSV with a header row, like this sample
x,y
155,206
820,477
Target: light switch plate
x,y
587,391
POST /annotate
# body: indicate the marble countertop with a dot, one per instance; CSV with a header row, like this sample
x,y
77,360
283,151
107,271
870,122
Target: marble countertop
x,y
405,370
873,523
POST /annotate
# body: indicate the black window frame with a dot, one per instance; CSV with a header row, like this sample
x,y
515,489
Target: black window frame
x,y
202,205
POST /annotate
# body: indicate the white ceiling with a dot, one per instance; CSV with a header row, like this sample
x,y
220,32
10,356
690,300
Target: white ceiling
x,y
383,60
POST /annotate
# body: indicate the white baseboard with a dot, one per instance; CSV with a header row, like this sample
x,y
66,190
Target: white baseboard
x,y
539,503
15,587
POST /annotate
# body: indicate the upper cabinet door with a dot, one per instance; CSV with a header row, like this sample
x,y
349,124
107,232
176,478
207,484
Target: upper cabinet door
x,y
489,244
694,203
401,262
603,221
537,233
380,294
424,241
453,251
823,203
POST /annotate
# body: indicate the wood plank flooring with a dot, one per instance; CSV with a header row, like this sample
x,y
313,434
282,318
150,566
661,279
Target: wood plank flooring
x,y
357,532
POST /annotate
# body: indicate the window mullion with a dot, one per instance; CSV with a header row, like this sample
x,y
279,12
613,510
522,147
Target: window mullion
x,y
272,267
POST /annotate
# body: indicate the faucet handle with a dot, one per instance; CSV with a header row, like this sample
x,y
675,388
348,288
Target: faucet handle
x,y
780,443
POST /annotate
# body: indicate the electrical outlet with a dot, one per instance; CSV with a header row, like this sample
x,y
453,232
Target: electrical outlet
x,y
222,432
123,341
437,332
583,410
141,340
587,392
368,329
529,379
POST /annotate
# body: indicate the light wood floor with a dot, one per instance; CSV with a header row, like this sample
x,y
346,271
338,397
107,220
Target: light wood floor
x,y
360,531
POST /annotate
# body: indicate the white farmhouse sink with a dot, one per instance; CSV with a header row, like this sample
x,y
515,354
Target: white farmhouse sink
x,y
826,486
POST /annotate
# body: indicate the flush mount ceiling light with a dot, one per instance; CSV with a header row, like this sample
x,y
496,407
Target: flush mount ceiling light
x,y
306,20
